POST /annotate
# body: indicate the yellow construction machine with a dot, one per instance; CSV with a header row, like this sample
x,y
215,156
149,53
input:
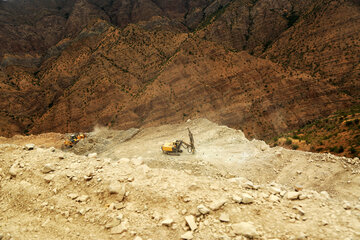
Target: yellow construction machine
x,y
173,148
74,139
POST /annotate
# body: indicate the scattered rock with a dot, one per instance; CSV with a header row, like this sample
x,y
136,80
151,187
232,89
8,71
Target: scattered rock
x,y
274,198
82,198
167,222
14,170
118,229
46,222
347,205
66,214
278,154
202,209
301,236
123,161
224,217
264,195
117,188
217,204
298,187
187,236
193,187
156,216
137,161
190,220
29,146
247,198
112,224
49,178
236,198
303,196
250,185
48,168
325,194
299,210
324,222
292,195
92,155
72,195
89,176
137,238
275,190
246,229
243,182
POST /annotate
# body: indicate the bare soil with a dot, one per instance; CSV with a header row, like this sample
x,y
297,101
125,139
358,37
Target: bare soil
x,y
49,193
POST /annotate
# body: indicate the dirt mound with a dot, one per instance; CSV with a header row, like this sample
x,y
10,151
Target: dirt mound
x,y
102,139
231,188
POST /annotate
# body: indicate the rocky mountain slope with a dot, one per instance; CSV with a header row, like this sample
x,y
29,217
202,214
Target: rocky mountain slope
x,y
120,185
73,64
339,134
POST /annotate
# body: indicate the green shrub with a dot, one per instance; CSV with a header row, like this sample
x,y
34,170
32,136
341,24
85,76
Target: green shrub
x,y
352,150
337,149
296,137
348,123
288,141
295,146
340,149
334,149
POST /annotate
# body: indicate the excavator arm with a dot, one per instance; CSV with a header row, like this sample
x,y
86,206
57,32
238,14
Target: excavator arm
x,y
189,146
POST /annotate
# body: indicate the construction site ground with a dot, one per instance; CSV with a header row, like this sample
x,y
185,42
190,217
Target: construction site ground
x,y
117,184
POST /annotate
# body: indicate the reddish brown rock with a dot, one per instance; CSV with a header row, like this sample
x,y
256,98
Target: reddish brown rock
x,y
67,68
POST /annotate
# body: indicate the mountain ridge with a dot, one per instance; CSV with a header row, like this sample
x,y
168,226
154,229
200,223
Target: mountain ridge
x,y
95,56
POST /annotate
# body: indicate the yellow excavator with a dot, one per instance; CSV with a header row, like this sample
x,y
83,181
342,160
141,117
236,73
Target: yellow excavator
x,y
74,139
173,148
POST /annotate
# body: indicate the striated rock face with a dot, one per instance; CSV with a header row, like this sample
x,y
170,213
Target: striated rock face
x,y
73,64
186,78
325,43
318,37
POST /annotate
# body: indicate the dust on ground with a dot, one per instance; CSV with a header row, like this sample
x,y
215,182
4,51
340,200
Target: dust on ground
x,y
119,185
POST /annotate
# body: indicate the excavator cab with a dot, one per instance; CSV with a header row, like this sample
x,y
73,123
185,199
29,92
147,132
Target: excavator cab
x,y
74,139
174,148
